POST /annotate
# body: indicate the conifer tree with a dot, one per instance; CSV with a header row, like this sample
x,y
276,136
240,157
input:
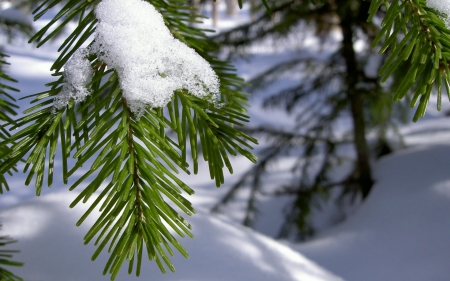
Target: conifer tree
x,y
137,146
10,28
137,108
7,111
407,51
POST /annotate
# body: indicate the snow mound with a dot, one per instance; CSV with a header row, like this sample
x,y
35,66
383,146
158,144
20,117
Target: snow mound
x,y
52,249
131,38
402,230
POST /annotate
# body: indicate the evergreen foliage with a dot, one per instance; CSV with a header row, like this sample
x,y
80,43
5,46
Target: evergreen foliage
x,y
338,86
5,259
9,29
7,110
134,161
422,53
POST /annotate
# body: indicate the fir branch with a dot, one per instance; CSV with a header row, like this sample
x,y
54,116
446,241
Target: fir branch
x,y
5,259
7,111
322,90
424,47
137,158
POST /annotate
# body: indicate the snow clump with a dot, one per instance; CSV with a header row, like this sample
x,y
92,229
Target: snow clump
x,y
78,73
442,6
131,38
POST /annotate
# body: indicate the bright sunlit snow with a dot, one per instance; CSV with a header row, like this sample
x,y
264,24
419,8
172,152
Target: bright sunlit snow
x,y
78,73
52,249
442,6
131,38
400,233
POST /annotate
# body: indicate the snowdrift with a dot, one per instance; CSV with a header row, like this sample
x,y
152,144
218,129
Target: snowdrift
x,y
52,249
402,231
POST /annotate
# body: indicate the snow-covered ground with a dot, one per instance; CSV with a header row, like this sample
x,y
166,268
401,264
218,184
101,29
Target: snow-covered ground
x,y
51,248
401,232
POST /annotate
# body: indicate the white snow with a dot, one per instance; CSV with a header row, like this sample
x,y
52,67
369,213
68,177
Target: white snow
x,y
400,233
78,73
10,14
402,230
442,6
131,38
52,249
52,246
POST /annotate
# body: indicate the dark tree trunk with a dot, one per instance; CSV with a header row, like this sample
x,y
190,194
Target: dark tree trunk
x,y
215,13
253,8
364,173
195,4
231,7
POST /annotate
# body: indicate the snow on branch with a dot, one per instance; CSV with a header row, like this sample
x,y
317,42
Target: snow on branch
x,y
131,38
77,75
442,6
